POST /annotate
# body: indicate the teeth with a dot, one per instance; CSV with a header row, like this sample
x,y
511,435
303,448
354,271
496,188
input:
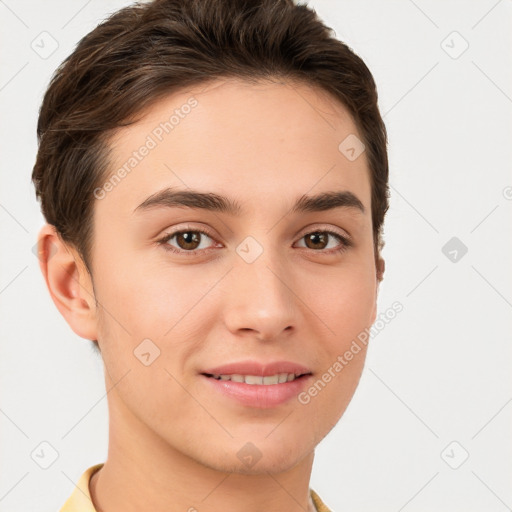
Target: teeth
x,y
270,379
253,379
278,378
282,377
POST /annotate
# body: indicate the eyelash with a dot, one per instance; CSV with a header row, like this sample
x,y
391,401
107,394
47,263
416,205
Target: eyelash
x,y
346,243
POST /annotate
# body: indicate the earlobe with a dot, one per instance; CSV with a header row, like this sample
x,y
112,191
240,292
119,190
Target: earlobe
x,y
68,282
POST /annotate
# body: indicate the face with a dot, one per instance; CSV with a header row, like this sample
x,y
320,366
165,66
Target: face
x,y
225,291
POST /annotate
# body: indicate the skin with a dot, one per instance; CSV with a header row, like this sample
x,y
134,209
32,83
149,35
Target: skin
x,y
173,441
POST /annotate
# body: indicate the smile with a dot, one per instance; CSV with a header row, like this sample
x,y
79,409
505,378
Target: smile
x,y
268,380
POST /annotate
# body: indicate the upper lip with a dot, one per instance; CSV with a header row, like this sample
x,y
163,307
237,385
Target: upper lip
x,y
258,368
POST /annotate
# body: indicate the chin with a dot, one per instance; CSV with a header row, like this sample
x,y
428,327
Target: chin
x,y
255,458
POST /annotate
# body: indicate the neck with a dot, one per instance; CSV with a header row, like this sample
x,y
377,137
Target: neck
x,y
143,472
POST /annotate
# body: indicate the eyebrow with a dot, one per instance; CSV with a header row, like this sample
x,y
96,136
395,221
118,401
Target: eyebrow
x,y
323,201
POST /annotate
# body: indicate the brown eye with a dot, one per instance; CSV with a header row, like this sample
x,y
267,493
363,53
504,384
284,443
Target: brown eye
x,y
317,240
188,240
325,242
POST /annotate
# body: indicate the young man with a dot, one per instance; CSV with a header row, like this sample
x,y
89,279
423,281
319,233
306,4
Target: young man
x,y
214,177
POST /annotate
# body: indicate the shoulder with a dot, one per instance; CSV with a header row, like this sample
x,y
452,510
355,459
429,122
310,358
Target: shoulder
x,y
80,498
319,504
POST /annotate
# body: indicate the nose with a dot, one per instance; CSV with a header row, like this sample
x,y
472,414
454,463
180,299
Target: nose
x,y
260,301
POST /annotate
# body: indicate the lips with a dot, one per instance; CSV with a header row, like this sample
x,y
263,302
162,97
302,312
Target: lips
x,y
258,369
259,385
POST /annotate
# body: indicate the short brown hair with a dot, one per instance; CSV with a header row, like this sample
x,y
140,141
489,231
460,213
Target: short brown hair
x,y
146,51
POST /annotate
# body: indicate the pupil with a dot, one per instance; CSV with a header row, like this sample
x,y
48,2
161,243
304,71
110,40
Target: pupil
x,y
188,240
316,238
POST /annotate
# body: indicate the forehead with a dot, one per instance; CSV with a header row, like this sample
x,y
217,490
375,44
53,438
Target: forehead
x,y
257,142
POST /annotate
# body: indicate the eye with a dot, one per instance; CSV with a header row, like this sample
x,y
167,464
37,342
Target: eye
x,y
320,240
193,241
186,241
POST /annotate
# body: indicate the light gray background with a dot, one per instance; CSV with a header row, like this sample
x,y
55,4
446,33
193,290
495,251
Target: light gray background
x,y
438,373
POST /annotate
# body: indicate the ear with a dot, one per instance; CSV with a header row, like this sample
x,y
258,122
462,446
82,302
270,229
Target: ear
x,y
68,282
380,267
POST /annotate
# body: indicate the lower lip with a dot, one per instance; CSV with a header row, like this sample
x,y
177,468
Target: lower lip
x,y
259,395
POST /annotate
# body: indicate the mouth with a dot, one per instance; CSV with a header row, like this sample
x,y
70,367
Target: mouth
x,y
267,380
257,385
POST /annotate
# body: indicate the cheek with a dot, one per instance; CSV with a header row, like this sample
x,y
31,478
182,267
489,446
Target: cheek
x,y
149,310
344,303
150,301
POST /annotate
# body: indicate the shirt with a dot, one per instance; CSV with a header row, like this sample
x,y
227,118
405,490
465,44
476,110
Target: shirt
x,y
80,499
